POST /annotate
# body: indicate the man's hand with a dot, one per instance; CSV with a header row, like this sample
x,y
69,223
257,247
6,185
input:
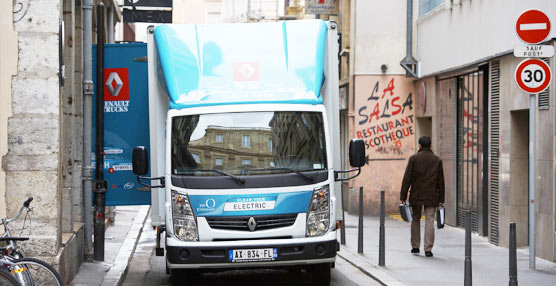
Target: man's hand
x,y
402,202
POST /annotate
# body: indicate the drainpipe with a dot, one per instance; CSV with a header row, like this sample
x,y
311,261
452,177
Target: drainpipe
x,y
87,124
110,24
409,63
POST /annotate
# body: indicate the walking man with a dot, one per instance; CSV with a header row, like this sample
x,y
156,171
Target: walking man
x,y
425,177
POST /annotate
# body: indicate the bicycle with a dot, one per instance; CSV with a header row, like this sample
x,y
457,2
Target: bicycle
x,y
7,279
27,271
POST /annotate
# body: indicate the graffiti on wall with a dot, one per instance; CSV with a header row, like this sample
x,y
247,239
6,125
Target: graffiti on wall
x,y
385,119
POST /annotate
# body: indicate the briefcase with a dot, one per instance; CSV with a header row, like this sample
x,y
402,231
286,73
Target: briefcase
x,y
405,212
440,212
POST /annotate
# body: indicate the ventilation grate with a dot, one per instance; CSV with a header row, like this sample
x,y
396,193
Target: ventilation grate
x,y
241,223
544,97
494,130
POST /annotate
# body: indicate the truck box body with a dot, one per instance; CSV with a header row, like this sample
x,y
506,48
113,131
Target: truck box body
x,y
244,129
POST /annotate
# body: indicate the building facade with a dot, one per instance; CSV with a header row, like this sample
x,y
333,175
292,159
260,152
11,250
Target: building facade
x,y
41,127
465,97
481,118
233,148
381,105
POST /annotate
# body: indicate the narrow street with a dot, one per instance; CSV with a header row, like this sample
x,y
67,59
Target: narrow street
x,y
148,269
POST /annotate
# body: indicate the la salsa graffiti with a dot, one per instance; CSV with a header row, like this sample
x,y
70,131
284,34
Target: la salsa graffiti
x,y
386,120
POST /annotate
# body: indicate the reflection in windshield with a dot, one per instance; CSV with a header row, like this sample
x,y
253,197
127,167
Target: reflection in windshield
x,y
236,143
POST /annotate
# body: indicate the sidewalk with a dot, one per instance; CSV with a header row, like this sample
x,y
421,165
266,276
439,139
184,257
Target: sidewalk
x,y
490,263
120,242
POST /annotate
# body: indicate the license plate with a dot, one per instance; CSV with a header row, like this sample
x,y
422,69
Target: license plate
x,y
252,255
249,206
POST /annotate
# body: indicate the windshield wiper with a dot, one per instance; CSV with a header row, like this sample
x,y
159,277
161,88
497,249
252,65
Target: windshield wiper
x,y
305,177
237,179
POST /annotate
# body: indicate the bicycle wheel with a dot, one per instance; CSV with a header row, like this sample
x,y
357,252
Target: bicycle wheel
x,y
35,272
6,279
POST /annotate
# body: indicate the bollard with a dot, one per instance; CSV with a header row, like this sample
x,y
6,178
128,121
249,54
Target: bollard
x,y
343,225
468,270
360,233
381,246
513,256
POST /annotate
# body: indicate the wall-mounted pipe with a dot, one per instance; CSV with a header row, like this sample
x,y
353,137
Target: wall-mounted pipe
x,y
409,63
87,174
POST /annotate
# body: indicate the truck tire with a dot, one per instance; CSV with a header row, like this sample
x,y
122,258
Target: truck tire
x,y
182,277
321,274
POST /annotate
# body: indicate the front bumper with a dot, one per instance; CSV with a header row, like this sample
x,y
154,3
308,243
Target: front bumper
x,y
217,256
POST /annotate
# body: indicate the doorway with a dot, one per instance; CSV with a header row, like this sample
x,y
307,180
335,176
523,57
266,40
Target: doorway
x,y
519,175
424,127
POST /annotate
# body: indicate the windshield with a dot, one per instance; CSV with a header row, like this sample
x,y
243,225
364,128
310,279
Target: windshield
x,y
248,143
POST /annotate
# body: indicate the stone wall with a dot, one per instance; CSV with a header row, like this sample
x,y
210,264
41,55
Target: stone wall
x,y
8,68
32,164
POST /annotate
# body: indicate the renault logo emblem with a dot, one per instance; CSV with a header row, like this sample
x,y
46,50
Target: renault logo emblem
x,y
252,224
114,78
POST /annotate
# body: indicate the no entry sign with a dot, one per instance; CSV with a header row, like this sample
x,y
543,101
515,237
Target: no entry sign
x,y
532,27
533,75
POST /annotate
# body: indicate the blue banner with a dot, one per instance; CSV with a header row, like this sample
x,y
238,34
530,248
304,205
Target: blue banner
x,y
250,204
126,119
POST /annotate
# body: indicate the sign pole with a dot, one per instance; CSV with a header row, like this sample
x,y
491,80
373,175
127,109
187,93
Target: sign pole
x,y
532,115
533,76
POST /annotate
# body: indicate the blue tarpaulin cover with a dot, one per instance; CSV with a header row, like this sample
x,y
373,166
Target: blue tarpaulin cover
x,y
279,62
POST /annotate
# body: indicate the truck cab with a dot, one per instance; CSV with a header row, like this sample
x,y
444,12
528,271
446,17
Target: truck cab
x,y
244,128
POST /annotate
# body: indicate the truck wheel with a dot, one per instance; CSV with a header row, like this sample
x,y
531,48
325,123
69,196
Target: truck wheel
x,y
321,274
182,277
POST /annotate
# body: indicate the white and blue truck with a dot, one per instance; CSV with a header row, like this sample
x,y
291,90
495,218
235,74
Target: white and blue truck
x,y
244,146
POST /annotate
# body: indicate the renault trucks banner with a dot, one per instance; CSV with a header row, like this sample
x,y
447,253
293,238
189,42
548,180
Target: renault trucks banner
x,y
126,120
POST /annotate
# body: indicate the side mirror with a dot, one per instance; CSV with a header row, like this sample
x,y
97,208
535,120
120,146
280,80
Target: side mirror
x,y
357,153
140,161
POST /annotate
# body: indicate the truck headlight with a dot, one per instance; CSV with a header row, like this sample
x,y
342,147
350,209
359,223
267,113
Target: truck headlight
x,y
185,225
318,214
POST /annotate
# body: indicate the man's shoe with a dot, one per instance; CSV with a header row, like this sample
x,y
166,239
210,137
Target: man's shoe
x,y
428,253
415,250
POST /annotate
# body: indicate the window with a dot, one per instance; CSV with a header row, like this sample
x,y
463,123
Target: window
x,y
197,158
290,133
269,145
427,5
245,140
219,138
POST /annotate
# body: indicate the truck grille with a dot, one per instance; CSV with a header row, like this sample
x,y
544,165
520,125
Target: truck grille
x,y
244,223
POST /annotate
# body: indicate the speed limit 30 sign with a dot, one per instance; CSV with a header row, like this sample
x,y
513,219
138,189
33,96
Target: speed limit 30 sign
x,y
533,75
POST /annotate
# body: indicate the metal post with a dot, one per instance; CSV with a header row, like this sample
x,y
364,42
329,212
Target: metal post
x,y
468,281
87,172
382,240
532,111
513,256
343,225
360,232
100,184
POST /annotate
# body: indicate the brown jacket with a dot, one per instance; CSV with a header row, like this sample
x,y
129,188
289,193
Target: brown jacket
x,y
425,175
